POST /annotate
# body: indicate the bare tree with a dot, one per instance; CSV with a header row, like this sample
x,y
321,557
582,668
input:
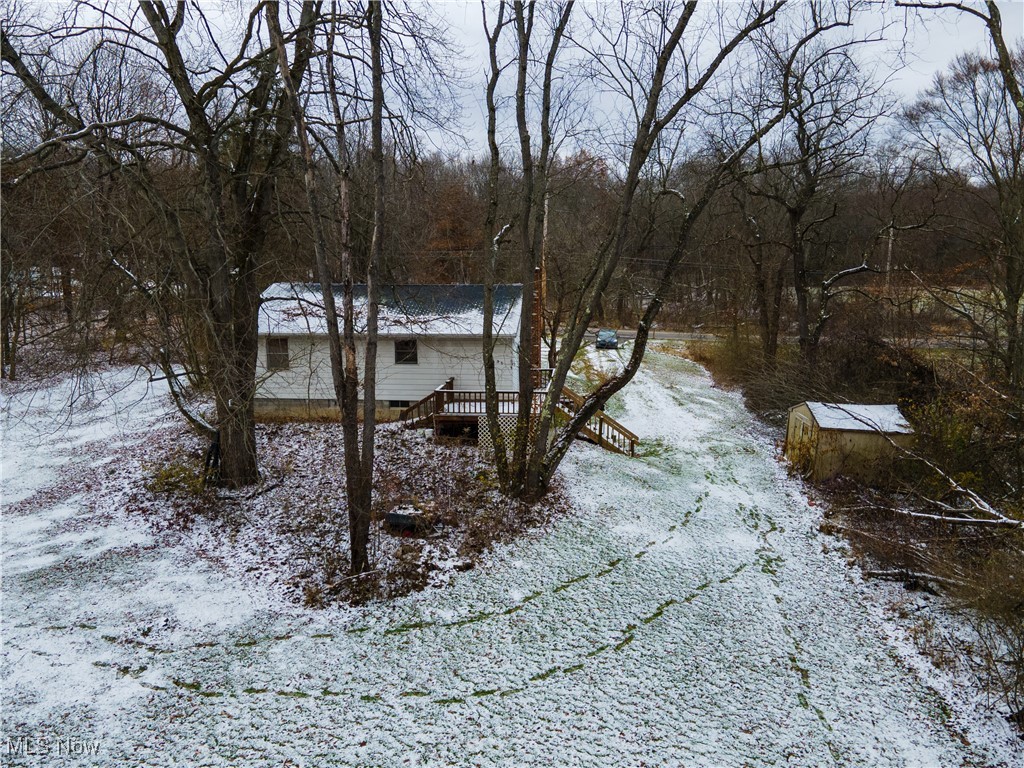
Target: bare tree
x,y
366,42
820,146
233,125
639,52
525,19
973,136
993,21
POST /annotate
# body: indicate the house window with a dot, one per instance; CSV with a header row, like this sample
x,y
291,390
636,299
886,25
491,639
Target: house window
x,y
405,352
277,354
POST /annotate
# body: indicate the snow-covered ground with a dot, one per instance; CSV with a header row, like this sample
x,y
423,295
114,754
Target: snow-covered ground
x,y
689,614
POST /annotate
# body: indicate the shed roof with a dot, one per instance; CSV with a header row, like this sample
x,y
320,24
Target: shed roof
x,y
296,309
851,417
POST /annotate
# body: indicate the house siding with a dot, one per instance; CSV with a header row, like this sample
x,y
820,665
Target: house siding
x,y
862,455
308,377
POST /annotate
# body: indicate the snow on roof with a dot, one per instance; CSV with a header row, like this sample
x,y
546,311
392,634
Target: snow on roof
x,y
296,309
860,418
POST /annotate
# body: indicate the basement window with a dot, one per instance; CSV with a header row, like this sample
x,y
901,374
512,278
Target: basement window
x,y
405,352
277,354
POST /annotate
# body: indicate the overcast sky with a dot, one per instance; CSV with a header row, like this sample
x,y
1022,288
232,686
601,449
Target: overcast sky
x,y
946,34
933,39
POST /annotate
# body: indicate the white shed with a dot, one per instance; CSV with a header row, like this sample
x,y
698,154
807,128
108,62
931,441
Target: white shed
x,y
828,439
427,335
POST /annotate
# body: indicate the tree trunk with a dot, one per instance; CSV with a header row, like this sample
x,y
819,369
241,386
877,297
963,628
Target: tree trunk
x,y
361,484
764,319
67,298
234,382
776,310
801,289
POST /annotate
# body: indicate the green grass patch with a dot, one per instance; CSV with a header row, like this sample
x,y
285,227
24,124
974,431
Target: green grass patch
x,y
770,564
736,572
408,627
545,674
471,619
570,582
805,676
652,447
659,611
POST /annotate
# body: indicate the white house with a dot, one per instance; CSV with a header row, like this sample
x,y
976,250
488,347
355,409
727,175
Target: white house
x,y
427,334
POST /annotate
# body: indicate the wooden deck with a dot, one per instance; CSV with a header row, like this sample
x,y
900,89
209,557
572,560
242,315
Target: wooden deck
x,y
451,411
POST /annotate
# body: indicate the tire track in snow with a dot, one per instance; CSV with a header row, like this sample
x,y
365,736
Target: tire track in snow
x,y
625,636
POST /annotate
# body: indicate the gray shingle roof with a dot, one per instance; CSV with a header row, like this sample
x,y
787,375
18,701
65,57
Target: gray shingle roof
x,y
850,417
439,310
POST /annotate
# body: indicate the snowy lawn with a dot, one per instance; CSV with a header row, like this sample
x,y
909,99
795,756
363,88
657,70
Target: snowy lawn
x,y
689,613
289,535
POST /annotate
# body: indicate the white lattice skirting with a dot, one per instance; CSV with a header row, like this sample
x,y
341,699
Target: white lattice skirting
x,y
507,422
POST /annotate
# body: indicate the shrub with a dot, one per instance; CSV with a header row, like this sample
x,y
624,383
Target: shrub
x,y
996,595
179,477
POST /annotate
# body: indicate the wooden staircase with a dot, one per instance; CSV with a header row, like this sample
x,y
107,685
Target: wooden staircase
x,y
420,415
601,429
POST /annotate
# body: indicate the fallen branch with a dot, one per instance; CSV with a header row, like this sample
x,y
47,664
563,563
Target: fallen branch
x,y
261,491
1003,522
977,502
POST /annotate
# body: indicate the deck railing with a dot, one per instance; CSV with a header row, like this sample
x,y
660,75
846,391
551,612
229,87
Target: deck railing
x,y
425,408
450,404
472,401
542,378
601,428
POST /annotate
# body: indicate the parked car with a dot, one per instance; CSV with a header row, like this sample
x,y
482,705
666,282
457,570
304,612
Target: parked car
x,y
607,339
